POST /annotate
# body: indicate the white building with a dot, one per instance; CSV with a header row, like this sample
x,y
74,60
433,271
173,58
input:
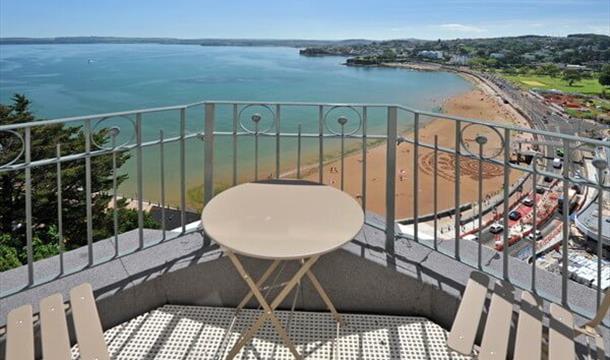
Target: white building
x,y
431,54
459,59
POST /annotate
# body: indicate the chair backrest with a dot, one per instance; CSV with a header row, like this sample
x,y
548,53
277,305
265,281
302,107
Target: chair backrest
x,y
54,328
528,341
496,334
20,334
497,327
466,323
561,333
87,324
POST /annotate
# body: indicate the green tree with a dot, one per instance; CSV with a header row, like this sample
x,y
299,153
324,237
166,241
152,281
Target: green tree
x,y
8,253
44,140
604,75
571,76
389,54
551,70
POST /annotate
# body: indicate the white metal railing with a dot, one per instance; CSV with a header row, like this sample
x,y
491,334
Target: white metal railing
x,y
227,122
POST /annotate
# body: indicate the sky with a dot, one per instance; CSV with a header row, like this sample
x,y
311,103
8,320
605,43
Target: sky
x,y
303,19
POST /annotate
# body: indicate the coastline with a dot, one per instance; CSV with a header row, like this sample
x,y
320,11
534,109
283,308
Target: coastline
x,y
483,103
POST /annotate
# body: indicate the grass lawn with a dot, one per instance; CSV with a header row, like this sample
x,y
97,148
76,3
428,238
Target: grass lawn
x,y
585,86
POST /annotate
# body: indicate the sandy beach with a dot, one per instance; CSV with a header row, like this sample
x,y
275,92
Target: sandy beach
x,y
480,103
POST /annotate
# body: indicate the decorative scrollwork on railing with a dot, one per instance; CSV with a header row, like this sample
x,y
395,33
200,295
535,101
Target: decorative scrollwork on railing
x,y
257,118
113,132
7,145
342,120
472,144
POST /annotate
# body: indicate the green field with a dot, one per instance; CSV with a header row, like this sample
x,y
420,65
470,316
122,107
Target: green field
x,y
585,86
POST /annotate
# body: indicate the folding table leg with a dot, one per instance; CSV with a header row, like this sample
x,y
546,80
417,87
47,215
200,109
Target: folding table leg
x,y
268,313
324,296
259,283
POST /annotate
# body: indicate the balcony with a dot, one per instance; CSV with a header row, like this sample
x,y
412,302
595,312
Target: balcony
x,y
399,281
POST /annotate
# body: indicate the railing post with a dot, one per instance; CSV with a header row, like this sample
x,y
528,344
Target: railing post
x,y
600,164
481,141
435,192
28,206
535,216
162,181
506,200
140,181
416,176
364,156
208,138
321,144
115,212
342,121
390,180
566,222
88,194
60,226
457,188
235,120
299,130
277,141
183,169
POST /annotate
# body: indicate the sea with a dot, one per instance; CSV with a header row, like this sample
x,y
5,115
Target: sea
x,y
74,80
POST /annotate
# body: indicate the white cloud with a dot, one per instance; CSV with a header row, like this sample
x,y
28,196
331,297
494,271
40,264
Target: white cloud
x,y
462,28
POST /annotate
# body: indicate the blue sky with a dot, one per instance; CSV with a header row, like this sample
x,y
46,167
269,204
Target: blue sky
x,y
303,19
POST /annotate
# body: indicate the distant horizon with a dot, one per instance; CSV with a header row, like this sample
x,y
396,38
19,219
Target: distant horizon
x,y
4,38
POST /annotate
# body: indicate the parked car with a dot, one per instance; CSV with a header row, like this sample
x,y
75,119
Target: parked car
x,y
548,179
471,237
538,235
528,201
559,152
496,228
540,190
557,163
578,189
514,215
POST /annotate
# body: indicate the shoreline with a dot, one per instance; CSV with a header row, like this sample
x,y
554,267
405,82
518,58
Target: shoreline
x,y
482,102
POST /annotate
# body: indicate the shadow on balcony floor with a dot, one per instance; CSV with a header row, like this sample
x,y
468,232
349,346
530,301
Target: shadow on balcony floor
x,y
199,332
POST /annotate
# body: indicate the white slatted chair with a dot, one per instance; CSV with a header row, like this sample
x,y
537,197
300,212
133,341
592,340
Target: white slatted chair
x,y
529,333
54,328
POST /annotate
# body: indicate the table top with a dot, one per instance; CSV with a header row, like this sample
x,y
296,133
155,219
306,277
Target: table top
x,y
282,219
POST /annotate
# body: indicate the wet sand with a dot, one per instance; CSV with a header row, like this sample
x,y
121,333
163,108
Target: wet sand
x,y
481,103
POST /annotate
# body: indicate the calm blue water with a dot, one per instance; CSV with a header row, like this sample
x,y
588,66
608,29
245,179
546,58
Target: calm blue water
x,y
70,80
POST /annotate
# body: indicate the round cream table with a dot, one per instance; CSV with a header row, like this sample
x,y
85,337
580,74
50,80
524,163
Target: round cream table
x,y
280,220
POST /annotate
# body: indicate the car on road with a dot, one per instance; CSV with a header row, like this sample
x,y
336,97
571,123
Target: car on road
x,y
496,228
514,215
579,190
528,201
540,190
471,237
557,163
548,179
559,152
538,235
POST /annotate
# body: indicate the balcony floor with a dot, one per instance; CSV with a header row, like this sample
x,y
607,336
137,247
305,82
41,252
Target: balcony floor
x,y
199,332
